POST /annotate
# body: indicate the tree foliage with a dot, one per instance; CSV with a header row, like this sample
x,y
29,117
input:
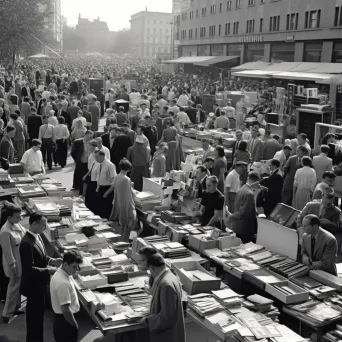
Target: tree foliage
x,y
20,22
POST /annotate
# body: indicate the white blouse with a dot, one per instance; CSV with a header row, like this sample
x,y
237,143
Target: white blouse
x,y
305,178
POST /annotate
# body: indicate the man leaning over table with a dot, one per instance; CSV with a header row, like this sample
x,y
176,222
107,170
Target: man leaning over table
x,y
32,160
319,247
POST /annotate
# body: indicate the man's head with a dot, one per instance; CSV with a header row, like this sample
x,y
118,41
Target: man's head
x,y
287,150
88,135
254,133
13,213
302,151
301,138
10,130
241,167
274,164
100,156
325,149
36,145
201,172
253,180
238,135
223,113
205,144
144,254
329,178
209,162
328,197
99,142
37,223
311,224
71,262
212,182
156,264
45,119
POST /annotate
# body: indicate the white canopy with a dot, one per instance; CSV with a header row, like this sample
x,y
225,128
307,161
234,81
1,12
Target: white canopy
x,y
39,55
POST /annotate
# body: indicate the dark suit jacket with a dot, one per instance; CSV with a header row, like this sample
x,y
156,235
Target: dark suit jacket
x,y
34,261
33,124
7,149
72,111
324,254
67,119
192,113
244,219
105,140
120,148
77,150
256,153
87,116
290,168
274,184
151,134
271,147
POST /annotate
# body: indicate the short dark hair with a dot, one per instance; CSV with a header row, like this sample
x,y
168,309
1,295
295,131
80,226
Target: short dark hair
x,y
35,217
329,174
302,135
147,251
89,132
36,142
306,161
220,151
313,219
303,149
61,120
156,260
276,137
202,168
209,159
275,162
287,147
254,177
242,145
125,164
101,153
325,149
45,117
9,129
11,209
14,116
72,256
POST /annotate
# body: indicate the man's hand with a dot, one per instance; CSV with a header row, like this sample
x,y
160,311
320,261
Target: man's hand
x,y
84,178
105,195
52,270
56,262
314,266
143,321
306,260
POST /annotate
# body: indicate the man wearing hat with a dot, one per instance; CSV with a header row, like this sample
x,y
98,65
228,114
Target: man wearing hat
x,y
233,184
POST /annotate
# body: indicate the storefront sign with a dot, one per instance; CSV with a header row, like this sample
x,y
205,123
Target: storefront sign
x,y
290,39
290,96
251,39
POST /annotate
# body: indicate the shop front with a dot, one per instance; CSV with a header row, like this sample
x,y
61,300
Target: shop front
x,y
313,52
282,52
254,52
204,50
234,49
337,52
189,50
217,50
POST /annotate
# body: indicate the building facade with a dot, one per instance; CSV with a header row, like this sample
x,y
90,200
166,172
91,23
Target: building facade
x,y
152,33
267,30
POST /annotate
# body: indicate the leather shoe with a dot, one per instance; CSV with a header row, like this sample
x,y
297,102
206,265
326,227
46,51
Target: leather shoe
x,y
5,319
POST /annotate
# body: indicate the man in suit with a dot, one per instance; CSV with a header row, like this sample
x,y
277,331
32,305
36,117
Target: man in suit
x,y
328,183
95,114
244,219
151,133
80,152
274,185
200,114
6,144
217,110
33,125
290,168
271,146
191,112
72,112
255,146
238,135
319,247
87,116
322,163
166,319
36,273
325,210
201,176
122,143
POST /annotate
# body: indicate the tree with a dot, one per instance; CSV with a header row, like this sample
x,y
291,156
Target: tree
x,y
22,24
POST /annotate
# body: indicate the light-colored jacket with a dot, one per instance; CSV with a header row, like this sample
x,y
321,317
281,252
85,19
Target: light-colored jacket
x,y
321,164
166,320
10,238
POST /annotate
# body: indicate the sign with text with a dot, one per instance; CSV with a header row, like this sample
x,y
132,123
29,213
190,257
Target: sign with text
x,y
252,39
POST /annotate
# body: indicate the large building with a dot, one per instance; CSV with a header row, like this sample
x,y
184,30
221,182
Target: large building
x,y
268,30
152,33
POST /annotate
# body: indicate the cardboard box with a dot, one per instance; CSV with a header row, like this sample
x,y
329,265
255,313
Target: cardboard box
x,y
195,286
228,242
202,242
300,296
93,283
327,279
258,278
162,226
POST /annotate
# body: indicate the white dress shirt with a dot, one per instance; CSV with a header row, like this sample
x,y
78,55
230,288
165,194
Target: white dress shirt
x,y
61,132
33,161
105,173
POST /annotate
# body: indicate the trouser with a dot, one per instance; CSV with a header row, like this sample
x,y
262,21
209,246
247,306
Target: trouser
x,y
107,104
63,331
13,296
3,279
61,152
80,170
35,307
20,149
47,148
90,199
104,205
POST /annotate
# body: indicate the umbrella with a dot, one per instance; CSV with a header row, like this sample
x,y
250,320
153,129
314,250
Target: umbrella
x,y
39,55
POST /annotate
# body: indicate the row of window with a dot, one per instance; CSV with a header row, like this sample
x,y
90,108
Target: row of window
x,y
160,30
160,40
312,20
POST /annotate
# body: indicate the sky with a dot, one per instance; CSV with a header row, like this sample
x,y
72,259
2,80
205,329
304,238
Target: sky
x,y
116,13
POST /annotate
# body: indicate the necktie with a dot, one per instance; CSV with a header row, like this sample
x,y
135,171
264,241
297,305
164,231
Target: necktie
x,y
40,244
99,177
312,247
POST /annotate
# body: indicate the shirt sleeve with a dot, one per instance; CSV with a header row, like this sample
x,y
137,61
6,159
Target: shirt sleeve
x,y
229,181
219,203
63,294
24,158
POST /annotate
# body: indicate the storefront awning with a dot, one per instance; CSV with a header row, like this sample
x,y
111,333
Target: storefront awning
x,y
259,65
308,76
252,73
215,60
188,60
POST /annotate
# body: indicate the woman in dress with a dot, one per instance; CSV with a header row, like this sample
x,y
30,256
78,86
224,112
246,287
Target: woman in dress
x,y
304,184
219,167
123,204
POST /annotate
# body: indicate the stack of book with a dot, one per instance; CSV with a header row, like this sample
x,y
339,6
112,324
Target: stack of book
x,y
56,230
64,210
242,265
204,304
306,282
248,248
289,268
334,335
285,289
228,298
174,250
28,191
145,200
322,292
48,209
174,217
22,179
260,303
53,189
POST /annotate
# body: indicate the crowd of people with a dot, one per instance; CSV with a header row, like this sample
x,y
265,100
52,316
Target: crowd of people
x,y
47,109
